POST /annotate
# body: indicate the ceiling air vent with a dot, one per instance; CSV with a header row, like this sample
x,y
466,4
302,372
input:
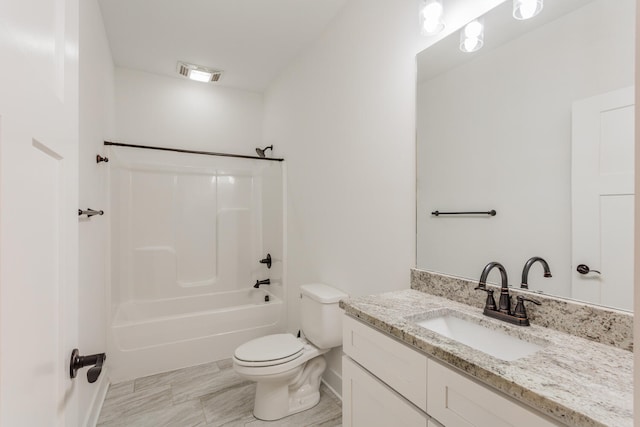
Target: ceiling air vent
x,y
198,72
183,69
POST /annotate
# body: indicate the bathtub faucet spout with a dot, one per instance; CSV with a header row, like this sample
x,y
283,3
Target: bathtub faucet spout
x,y
262,282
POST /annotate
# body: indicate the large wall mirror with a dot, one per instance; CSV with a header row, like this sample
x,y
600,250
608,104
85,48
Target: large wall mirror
x,y
538,125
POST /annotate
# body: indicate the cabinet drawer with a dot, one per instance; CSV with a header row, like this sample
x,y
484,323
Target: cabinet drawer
x,y
455,400
367,402
396,364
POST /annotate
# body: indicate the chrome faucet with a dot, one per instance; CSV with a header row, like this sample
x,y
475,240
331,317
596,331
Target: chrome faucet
x,y
262,282
525,271
503,311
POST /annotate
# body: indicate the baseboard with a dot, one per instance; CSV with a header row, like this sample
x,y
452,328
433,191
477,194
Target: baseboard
x,y
333,381
98,399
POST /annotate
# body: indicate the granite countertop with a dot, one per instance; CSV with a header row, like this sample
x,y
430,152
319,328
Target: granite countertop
x,y
573,380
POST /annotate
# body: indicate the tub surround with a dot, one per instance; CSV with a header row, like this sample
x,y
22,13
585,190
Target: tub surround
x,y
592,322
181,290
573,380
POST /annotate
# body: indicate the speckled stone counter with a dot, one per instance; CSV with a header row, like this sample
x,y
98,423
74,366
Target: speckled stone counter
x,y
573,380
596,323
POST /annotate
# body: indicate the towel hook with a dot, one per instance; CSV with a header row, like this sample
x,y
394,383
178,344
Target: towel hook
x,y
89,212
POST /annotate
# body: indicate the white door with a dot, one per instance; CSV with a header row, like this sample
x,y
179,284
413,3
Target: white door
x,y
602,198
38,211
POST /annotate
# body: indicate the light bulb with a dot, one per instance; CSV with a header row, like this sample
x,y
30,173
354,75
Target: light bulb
x,y
431,17
432,11
526,9
200,76
473,29
472,36
471,44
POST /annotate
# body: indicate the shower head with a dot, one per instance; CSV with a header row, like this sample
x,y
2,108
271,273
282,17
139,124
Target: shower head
x,y
261,151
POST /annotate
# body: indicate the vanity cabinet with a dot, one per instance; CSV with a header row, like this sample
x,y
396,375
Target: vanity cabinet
x,y
386,382
457,400
399,366
367,401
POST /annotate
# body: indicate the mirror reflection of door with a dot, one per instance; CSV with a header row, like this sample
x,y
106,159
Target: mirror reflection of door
x,y
603,197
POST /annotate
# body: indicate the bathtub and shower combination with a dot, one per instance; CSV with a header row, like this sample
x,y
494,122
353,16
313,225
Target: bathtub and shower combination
x,y
187,234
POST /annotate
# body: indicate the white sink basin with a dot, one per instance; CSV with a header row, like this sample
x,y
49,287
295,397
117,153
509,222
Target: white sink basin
x,y
493,342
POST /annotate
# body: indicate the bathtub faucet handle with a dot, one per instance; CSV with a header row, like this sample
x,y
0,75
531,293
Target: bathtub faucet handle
x,y
266,260
262,282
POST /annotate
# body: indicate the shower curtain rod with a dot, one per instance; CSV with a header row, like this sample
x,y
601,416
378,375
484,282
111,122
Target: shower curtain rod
x,y
180,150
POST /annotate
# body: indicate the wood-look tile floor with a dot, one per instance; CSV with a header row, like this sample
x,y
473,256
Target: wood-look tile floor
x,y
207,395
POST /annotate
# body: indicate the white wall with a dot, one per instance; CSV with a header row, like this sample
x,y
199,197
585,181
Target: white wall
x,y
514,156
96,125
343,117
175,112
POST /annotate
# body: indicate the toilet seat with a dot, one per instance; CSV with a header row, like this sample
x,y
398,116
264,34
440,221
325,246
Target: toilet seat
x,y
269,350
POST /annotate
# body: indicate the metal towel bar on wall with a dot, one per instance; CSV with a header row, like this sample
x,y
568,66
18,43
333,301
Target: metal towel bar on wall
x,y
490,213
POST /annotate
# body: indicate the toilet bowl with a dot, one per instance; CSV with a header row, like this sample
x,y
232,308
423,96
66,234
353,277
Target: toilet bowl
x,y
288,381
288,370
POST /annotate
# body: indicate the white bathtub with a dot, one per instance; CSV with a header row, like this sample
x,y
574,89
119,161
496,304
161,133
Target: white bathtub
x,y
157,336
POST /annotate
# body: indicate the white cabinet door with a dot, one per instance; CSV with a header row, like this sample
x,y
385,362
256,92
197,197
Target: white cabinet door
x,y
396,364
38,211
367,402
455,400
602,190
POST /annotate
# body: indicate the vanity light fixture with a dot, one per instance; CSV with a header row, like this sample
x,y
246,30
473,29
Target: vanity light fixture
x,y
472,36
431,12
198,72
525,9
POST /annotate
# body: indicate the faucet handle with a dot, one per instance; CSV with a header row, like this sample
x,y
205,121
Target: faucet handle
x,y
520,311
490,303
521,298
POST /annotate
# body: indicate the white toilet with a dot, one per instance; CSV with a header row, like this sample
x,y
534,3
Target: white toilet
x,y
287,369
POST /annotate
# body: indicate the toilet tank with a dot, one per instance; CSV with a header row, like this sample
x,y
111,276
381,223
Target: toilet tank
x,y
320,315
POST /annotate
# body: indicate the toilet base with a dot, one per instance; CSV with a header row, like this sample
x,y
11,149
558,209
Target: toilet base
x,y
276,400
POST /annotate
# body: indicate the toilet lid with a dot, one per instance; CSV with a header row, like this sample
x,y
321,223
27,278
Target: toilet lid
x,y
269,350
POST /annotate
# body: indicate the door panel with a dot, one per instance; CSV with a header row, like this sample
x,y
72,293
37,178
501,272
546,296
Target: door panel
x,y
617,251
38,211
31,285
602,198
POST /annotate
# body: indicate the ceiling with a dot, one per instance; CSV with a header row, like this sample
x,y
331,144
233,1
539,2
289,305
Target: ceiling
x,y
251,41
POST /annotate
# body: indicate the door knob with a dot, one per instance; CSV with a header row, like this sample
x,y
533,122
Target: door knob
x,y
584,269
78,362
